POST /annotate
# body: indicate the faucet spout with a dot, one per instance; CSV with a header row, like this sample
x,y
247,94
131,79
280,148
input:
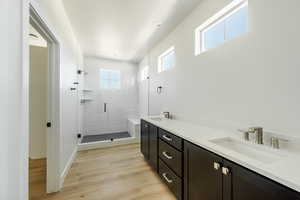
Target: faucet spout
x,y
259,133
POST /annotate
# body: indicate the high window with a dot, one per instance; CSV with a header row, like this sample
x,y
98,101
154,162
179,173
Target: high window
x,y
166,60
110,79
228,24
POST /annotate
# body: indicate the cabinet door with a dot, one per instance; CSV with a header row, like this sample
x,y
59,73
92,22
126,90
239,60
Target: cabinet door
x,y
202,174
153,147
145,139
243,184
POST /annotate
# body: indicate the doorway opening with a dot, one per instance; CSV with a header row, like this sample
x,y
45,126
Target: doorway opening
x,y
44,111
38,99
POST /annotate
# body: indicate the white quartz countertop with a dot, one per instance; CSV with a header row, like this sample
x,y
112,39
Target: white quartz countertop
x,y
285,170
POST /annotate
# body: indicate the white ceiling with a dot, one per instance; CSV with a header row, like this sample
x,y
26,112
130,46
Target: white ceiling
x,y
124,29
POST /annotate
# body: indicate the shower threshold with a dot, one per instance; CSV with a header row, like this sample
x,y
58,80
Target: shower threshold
x,y
104,137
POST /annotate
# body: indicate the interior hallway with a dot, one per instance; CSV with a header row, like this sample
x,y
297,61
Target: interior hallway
x,y
118,173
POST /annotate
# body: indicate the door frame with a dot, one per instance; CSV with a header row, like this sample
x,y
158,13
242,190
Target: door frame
x,y
53,104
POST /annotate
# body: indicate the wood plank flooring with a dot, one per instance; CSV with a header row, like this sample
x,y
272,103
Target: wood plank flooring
x,y
37,178
117,173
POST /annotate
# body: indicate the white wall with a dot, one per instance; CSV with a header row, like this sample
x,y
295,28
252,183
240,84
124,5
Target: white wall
x,y
38,99
121,104
11,127
143,86
14,82
253,80
71,59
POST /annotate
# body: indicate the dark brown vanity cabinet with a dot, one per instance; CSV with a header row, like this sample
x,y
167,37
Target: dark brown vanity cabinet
x,y
170,153
208,176
201,179
153,146
145,139
149,143
194,173
243,184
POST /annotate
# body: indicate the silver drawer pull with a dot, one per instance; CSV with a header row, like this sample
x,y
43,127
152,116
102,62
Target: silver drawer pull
x,y
167,155
225,171
167,138
217,166
166,178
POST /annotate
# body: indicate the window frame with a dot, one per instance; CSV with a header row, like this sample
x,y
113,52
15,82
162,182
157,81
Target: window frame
x,y
109,80
162,56
213,21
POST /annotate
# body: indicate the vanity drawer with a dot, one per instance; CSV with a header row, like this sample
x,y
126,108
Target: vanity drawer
x,y
171,156
171,139
170,178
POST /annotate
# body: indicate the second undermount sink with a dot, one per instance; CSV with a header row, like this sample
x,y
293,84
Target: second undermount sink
x,y
257,152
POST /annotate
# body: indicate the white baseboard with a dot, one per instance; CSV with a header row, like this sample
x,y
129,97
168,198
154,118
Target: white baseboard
x,y
67,167
106,144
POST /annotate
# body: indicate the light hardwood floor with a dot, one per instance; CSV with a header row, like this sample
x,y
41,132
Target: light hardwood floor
x,y
118,173
37,179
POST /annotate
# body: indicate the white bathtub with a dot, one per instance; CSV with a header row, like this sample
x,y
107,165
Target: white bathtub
x,y
133,126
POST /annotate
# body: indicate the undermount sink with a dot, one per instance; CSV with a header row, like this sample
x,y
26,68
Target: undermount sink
x,y
257,152
158,119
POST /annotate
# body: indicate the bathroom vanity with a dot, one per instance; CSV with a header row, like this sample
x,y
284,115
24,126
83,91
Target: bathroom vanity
x,y
203,163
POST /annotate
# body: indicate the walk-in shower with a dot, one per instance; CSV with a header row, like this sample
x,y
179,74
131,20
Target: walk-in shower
x,y
110,107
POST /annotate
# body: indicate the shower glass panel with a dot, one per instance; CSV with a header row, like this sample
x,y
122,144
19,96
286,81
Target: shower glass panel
x,y
115,101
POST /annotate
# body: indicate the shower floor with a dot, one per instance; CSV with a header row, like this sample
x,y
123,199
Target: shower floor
x,y
104,137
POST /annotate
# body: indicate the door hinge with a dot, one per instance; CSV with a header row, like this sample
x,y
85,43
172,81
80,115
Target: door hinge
x,y
49,124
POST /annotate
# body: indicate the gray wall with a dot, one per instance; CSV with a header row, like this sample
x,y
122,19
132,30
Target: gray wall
x,y
253,80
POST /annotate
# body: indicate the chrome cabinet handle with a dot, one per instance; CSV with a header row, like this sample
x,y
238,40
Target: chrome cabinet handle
x,y
167,156
217,166
166,178
225,171
167,138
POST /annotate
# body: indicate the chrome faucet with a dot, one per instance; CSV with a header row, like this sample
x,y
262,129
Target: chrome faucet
x,y
259,134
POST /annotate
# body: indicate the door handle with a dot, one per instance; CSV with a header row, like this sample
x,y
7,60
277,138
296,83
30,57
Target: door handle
x,y
105,107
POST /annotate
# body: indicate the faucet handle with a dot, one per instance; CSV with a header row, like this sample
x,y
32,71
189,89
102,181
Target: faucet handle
x,y
166,115
254,129
245,134
275,142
